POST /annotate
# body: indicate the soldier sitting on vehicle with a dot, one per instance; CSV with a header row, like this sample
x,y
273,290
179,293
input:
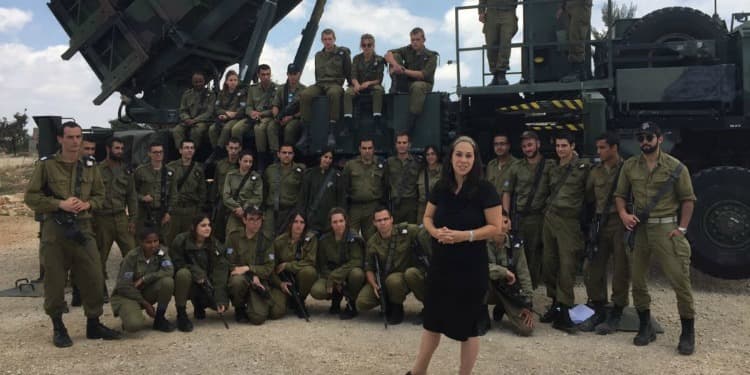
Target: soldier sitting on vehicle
x,y
196,111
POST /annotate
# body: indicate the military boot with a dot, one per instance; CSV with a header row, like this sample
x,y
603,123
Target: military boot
x,y
499,78
199,312
600,315
41,275
96,330
562,320
550,315
160,321
76,300
183,323
60,336
687,337
396,313
376,124
646,333
348,124
497,312
302,142
331,141
336,298
612,322
575,74
349,312
240,314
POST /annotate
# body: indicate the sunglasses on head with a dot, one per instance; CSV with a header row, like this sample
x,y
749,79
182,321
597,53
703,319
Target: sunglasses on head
x,y
645,137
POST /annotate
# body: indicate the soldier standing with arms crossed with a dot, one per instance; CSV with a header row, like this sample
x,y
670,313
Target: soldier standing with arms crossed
x,y
500,25
152,183
661,190
65,189
365,185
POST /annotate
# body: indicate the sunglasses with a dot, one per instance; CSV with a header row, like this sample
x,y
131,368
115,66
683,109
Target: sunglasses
x,y
366,45
645,137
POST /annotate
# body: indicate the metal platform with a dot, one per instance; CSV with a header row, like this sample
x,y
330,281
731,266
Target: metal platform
x,y
537,87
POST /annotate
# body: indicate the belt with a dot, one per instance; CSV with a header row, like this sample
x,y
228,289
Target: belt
x,y
662,220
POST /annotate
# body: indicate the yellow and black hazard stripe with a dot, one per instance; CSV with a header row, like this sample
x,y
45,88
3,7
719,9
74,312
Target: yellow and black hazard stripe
x,y
561,105
556,126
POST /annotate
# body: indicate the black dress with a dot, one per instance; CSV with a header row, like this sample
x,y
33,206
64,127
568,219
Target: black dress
x,y
458,276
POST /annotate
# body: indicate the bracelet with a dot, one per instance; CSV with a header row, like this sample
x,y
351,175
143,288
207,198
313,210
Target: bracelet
x,y
683,230
471,236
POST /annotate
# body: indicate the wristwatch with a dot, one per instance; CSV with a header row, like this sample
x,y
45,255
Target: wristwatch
x,y
683,230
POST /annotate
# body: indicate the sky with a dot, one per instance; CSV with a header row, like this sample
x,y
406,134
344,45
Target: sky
x,y
33,76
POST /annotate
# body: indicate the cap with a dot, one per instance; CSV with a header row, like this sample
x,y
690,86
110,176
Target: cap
x,y
530,134
253,210
650,128
292,68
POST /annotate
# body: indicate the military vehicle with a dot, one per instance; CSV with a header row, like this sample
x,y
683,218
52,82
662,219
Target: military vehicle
x,y
677,66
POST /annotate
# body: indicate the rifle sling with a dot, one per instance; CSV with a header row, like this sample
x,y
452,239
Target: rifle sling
x,y
321,190
608,203
646,212
163,191
236,194
534,187
185,176
558,187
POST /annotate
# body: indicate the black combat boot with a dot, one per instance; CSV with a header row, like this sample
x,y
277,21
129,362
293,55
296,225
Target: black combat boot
x,y
349,312
336,298
41,275
612,322
562,320
183,323
240,314
646,333
160,321
96,330
497,312
551,314
105,293
687,337
600,315
376,124
396,313
331,141
499,78
76,300
59,333
199,312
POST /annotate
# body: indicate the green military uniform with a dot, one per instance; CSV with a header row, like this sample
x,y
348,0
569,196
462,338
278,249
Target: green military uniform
x,y
425,182
281,186
120,208
236,196
158,286
519,185
157,184
364,70
52,181
497,173
221,216
652,237
365,186
321,191
198,106
331,70
498,257
227,101
500,25
611,243
579,23
401,176
396,256
257,254
562,237
258,99
284,97
300,259
416,275
195,263
339,263
187,200
424,61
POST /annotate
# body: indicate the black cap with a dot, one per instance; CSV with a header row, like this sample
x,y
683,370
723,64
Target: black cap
x,y
649,127
253,210
292,68
530,134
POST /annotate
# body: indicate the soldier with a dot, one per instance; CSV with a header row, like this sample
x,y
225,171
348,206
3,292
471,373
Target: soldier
x,y
500,25
281,186
230,112
428,176
223,167
252,261
196,111
242,188
322,189
88,147
561,234
115,220
332,67
295,252
367,78
526,181
340,259
517,307
393,246
579,25
153,181
65,189
416,275
259,112
145,278
401,173
286,110
88,151
364,179
188,192
657,230
412,69
499,167
201,272
608,240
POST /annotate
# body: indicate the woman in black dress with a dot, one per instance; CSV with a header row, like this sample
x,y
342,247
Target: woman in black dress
x,y
462,212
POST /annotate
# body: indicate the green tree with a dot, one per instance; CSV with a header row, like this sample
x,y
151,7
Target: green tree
x,y
619,11
13,135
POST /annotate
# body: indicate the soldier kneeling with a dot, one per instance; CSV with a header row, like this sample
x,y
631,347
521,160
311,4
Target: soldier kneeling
x,y
145,278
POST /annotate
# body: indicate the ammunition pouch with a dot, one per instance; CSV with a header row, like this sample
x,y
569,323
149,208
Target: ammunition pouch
x,y
69,222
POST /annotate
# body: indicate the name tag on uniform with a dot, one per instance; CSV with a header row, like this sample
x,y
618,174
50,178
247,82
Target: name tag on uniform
x,y
166,263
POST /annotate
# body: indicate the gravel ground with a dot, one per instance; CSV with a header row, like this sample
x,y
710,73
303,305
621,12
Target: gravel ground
x,y
327,345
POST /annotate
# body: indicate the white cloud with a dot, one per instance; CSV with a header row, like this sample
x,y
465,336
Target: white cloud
x,y
299,12
387,21
13,19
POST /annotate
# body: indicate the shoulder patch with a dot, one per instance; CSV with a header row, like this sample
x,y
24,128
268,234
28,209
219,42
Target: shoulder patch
x,y
298,169
404,231
380,165
581,166
230,251
253,177
197,173
127,276
506,183
166,263
170,173
217,102
43,158
89,161
271,256
160,253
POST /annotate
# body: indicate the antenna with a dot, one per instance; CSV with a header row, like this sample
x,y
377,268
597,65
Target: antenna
x,y
715,12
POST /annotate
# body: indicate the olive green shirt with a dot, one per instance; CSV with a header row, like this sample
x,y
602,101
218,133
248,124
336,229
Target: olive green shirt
x,y
148,182
333,67
228,101
135,266
243,251
498,256
644,184
424,61
197,105
260,99
282,183
119,191
520,181
337,258
223,167
292,95
295,255
208,261
59,177
364,70
402,177
401,257
250,194
599,185
364,182
333,195
493,6
571,194
498,172
433,175
192,194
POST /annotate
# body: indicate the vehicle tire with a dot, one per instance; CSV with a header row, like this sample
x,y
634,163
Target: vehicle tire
x,y
719,231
